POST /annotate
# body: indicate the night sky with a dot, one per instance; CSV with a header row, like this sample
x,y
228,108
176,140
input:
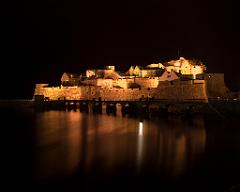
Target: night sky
x,y
42,39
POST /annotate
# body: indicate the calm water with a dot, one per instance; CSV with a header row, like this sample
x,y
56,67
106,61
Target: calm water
x,y
74,151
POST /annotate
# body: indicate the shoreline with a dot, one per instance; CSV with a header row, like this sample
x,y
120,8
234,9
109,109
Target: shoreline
x,y
221,108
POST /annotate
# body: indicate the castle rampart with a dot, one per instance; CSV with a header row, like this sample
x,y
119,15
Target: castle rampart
x,y
178,90
170,85
216,86
146,83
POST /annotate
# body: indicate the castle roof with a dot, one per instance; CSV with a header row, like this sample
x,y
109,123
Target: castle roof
x,y
112,75
70,76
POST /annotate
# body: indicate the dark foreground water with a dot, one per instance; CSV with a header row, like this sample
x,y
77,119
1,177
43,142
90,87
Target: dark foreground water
x,y
74,151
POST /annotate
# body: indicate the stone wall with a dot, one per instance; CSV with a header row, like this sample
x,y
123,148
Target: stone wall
x,y
179,90
147,82
109,82
151,72
123,82
39,89
122,94
71,93
89,92
90,82
105,82
52,93
55,93
216,86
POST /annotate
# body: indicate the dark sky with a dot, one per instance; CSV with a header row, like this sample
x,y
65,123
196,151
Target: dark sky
x,y
42,39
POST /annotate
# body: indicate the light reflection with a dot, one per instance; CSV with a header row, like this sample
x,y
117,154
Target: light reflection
x,y
140,132
140,146
72,141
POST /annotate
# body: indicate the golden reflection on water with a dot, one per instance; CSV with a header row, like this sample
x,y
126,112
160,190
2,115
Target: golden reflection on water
x,y
69,142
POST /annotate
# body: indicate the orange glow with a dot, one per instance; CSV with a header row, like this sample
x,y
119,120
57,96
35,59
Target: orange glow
x,y
140,128
110,85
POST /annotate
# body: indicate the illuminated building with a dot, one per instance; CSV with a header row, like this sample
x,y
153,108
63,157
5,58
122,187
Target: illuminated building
x,y
175,80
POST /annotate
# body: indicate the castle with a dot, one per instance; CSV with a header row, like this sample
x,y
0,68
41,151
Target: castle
x,y
179,80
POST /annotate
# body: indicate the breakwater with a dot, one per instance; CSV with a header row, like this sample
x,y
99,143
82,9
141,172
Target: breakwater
x,y
144,106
